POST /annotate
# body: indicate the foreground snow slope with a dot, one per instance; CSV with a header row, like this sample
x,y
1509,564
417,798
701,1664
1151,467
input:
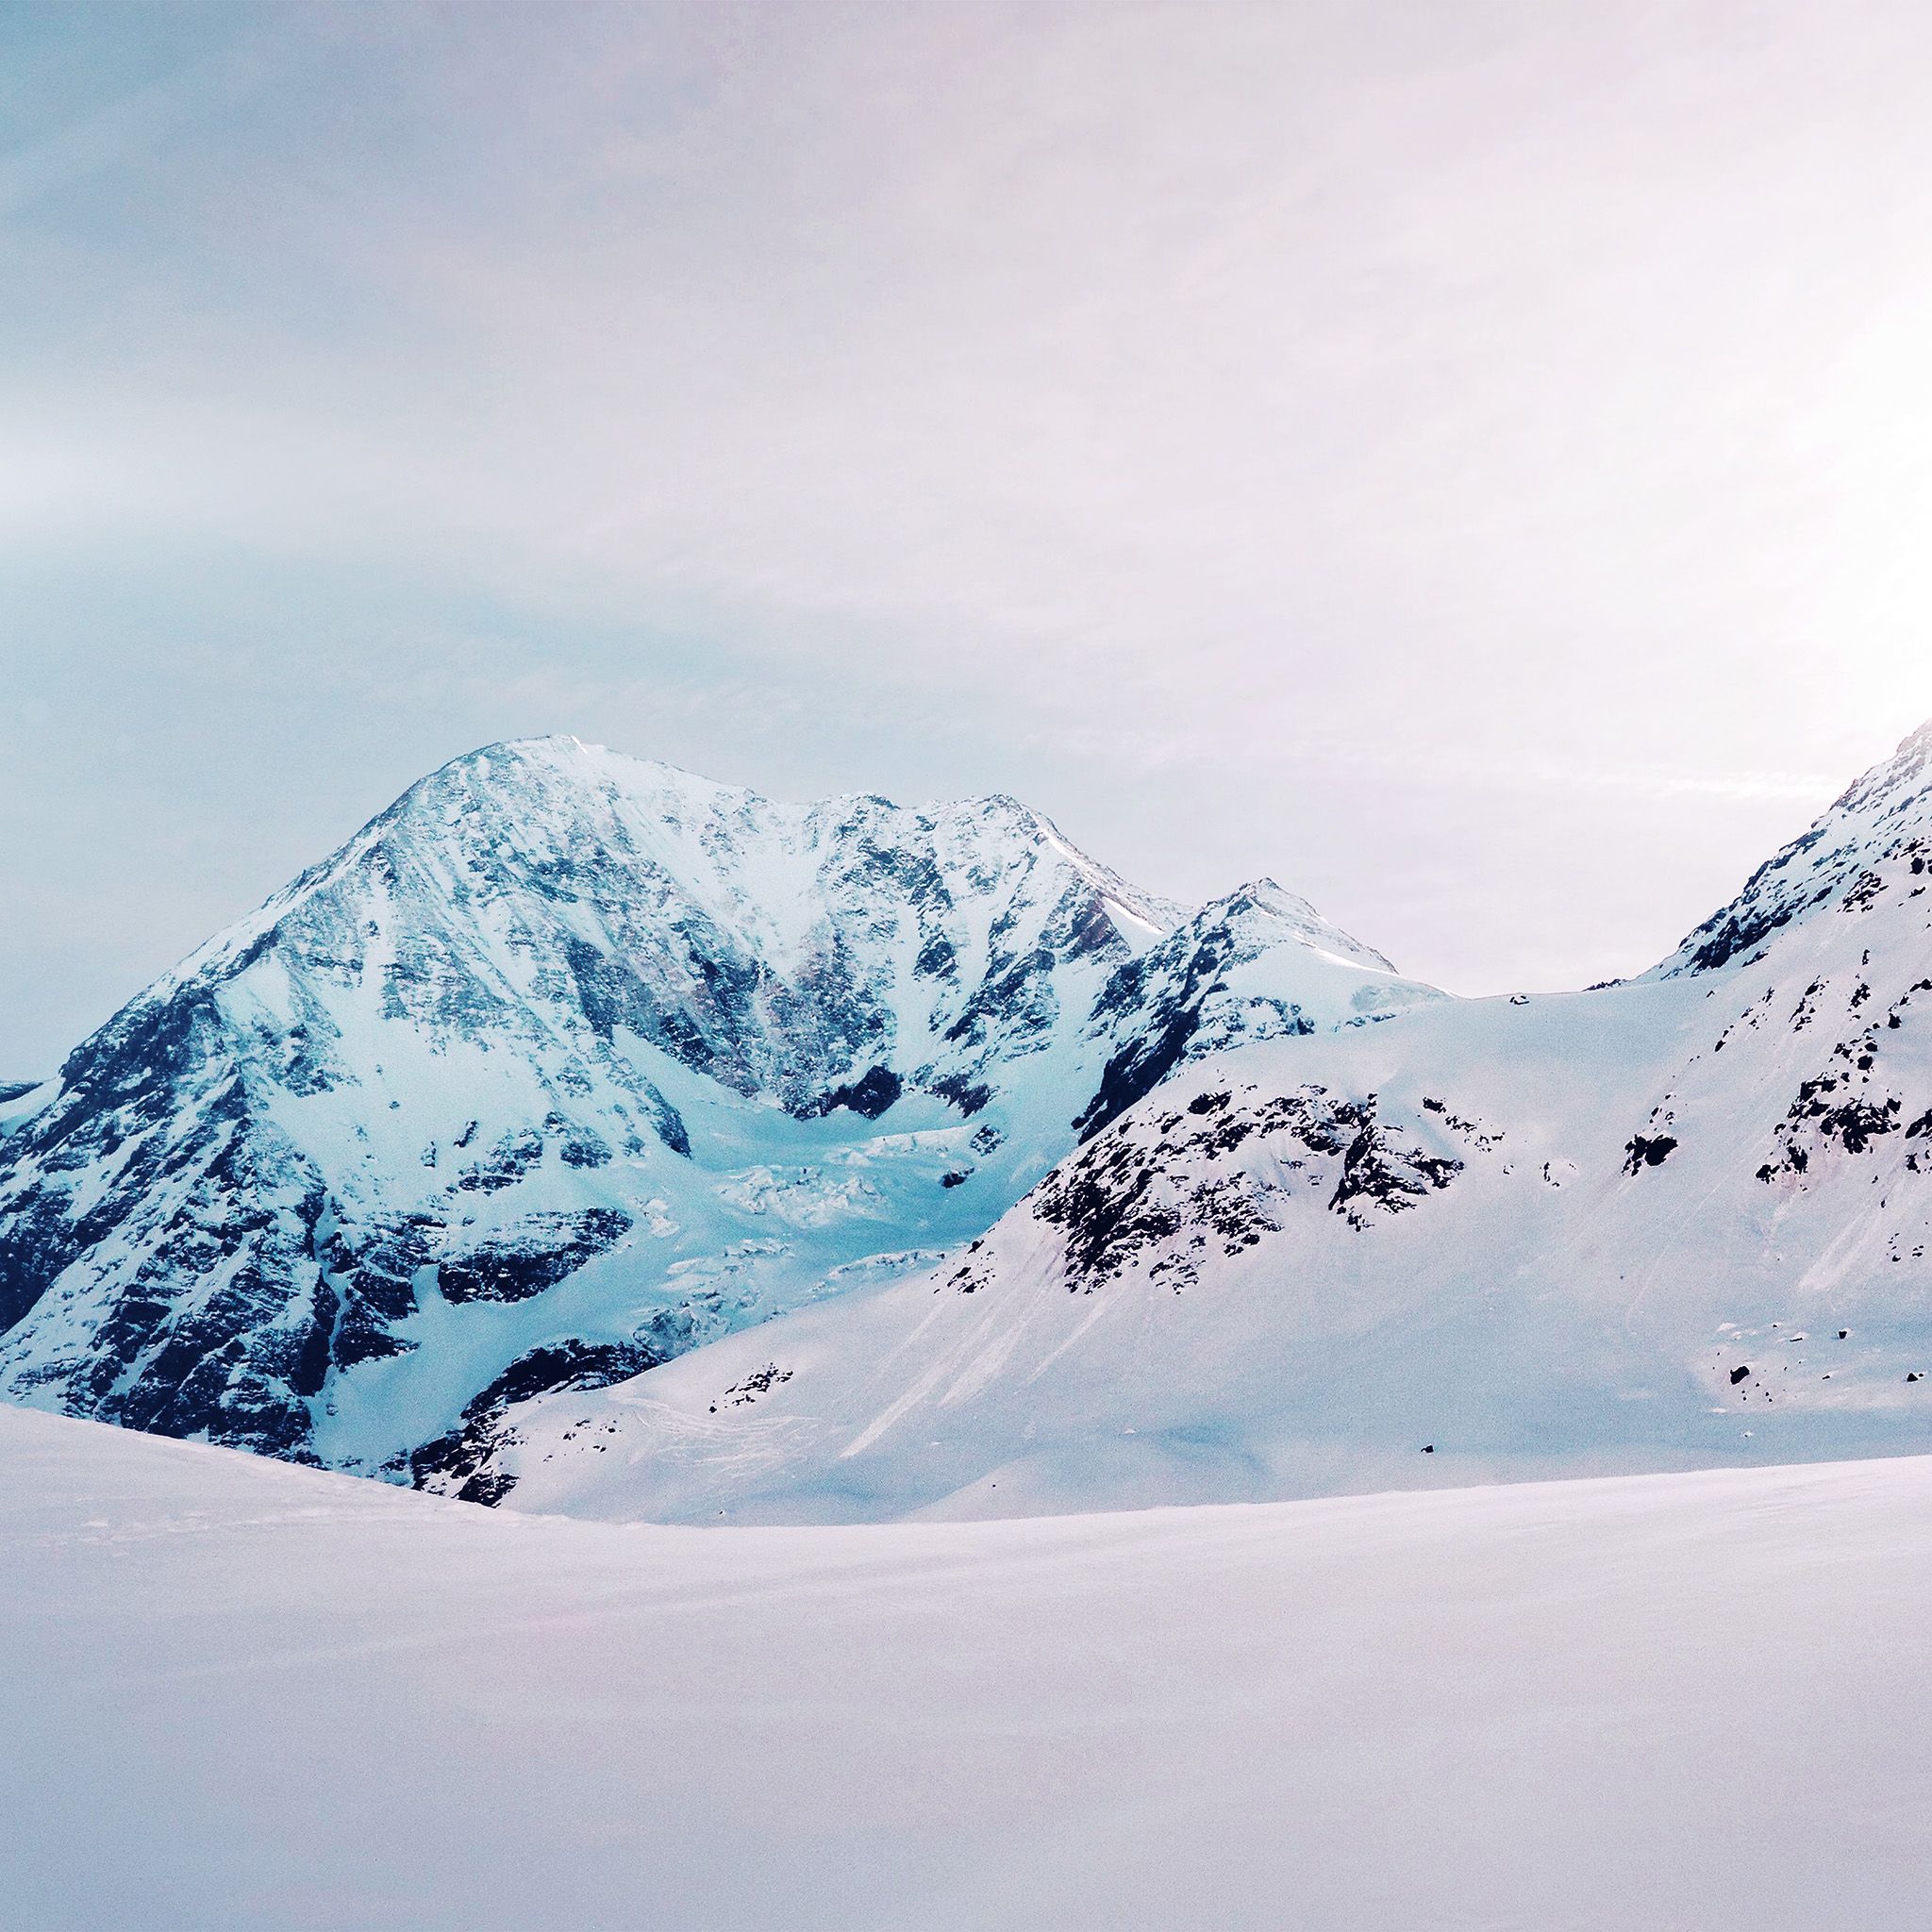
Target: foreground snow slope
x,y
241,1696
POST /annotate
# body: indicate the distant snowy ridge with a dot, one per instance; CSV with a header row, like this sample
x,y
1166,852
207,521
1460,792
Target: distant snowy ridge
x,y
568,1062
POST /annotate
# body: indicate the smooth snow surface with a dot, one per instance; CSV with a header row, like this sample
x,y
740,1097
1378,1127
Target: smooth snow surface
x,y
240,1694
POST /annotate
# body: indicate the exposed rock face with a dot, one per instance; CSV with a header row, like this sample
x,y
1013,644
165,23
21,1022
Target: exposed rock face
x,y
1167,1188
567,1063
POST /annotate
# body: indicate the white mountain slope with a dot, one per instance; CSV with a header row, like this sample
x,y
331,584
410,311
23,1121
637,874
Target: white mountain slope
x,y
241,1697
1671,1222
567,1063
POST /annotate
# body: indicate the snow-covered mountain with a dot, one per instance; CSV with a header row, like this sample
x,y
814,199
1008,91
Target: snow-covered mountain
x,y
1673,1221
590,1135
567,1063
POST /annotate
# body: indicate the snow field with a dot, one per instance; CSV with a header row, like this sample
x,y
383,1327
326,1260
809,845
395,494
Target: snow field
x,y
245,1695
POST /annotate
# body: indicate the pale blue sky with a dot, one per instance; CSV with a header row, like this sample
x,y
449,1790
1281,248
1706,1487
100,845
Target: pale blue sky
x,y
1467,461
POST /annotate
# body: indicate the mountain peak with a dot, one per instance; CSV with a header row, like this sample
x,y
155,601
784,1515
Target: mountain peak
x,y
1902,773
578,762
1881,821
1265,898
